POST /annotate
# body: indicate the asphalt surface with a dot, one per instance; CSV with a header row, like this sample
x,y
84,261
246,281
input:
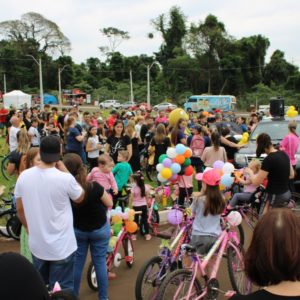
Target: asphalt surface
x,y
123,286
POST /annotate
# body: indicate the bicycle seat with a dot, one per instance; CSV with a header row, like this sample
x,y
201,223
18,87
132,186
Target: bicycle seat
x,y
188,248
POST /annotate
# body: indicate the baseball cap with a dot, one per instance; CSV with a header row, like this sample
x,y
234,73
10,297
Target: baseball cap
x,y
50,149
211,177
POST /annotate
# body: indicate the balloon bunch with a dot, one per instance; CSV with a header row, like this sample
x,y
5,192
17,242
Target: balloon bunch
x,y
245,138
175,162
117,218
225,169
292,112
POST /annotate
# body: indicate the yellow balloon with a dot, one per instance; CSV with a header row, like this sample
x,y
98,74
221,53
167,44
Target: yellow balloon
x,y
221,187
244,139
177,114
291,113
112,241
292,107
166,173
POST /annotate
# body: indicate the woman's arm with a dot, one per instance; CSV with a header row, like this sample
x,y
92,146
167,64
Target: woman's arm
x,y
106,199
129,149
79,138
292,172
89,147
224,141
107,148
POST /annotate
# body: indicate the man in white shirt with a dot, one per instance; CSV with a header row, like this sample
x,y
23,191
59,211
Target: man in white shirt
x,y
43,196
13,141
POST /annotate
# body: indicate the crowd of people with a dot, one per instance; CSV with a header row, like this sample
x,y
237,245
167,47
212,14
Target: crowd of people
x,y
89,158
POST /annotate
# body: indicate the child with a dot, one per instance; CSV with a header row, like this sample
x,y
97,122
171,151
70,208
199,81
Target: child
x,y
93,147
249,188
140,192
207,207
103,174
122,172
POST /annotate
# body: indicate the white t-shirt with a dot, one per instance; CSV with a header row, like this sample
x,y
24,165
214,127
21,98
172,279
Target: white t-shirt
x,y
35,141
13,141
46,195
94,141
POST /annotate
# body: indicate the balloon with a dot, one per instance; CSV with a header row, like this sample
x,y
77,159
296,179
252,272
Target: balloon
x,y
116,220
113,241
228,168
125,216
174,177
218,164
167,162
180,149
227,180
175,167
118,209
207,169
159,167
175,217
221,187
244,139
117,228
188,153
179,159
113,212
127,209
131,226
162,157
234,218
171,152
187,162
189,171
160,178
177,114
166,173
291,113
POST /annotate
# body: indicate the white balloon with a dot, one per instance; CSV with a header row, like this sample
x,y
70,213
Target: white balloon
x,y
159,167
171,152
234,218
160,178
228,168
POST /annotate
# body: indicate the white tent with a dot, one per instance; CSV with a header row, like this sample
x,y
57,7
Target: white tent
x,y
16,99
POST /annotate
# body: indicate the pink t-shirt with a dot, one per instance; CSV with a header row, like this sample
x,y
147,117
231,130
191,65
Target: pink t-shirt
x,y
107,180
138,200
289,145
161,120
249,188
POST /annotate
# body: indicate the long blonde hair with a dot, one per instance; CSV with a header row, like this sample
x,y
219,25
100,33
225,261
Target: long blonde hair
x,y
130,129
23,142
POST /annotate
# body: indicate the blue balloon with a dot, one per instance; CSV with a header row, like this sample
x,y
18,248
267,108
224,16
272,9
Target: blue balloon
x,y
180,149
175,167
227,180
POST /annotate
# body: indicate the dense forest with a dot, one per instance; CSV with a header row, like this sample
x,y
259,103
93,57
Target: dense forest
x,y
194,58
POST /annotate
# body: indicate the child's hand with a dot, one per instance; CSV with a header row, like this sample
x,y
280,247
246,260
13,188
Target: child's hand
x,y
115,192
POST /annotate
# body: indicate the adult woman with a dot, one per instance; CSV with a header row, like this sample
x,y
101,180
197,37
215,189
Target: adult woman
x,y
118,141
160,142
215,152
273,258
32,159
16,164
27,119
177,134
276,167
135,141
74,139
91,227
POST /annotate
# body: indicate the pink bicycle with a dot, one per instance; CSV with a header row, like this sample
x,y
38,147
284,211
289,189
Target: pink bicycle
x,y
185,284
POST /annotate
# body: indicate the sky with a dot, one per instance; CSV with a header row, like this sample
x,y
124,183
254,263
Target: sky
x,y
80,21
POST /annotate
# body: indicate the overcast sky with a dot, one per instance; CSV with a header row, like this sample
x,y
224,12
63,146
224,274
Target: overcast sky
x,y
80,21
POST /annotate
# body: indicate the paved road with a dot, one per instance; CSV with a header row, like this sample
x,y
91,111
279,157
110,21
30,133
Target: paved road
x,y
123,286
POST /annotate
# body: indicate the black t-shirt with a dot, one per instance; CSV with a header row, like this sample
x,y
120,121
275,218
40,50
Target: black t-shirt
x,y
90,215
230,151
160,148
143,132
116,144
277,164
263,295
15,158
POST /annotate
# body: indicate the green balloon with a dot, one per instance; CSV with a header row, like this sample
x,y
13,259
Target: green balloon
x,y
117,228
187,162
162,157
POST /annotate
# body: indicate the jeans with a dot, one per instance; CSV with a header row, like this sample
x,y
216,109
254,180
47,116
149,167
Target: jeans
x,y
98,241
240,198
61,271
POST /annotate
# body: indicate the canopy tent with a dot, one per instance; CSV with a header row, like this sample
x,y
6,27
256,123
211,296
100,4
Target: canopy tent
x,y
50,99
17,99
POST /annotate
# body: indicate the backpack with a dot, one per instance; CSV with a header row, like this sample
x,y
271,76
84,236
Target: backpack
x,y
197,145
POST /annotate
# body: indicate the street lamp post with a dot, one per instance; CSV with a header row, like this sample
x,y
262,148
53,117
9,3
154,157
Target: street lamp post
x,y
39,63
148,84
59,84
4,83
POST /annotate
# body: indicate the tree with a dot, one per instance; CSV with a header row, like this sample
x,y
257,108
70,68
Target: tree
x,y
34,26
115,37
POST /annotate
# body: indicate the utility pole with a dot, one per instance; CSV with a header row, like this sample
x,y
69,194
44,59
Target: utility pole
x,y
148,84
59,84
4,83
131,87
39,63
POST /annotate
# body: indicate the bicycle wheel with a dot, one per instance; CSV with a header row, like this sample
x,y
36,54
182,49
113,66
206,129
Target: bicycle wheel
x,y
91,277
5,216
128,251
236,269
13,227
177,284
147,281
4,165
150,172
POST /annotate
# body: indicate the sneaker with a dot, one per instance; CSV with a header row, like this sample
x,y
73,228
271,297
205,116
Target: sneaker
x,y
148,237
133,237
112,275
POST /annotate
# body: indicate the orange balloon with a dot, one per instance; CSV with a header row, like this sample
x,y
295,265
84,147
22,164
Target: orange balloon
x,y
188,153
131,227
179,159
205,113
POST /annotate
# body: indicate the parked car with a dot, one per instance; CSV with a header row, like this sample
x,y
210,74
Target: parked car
x,y
164,106
110,104
129,104
235,130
